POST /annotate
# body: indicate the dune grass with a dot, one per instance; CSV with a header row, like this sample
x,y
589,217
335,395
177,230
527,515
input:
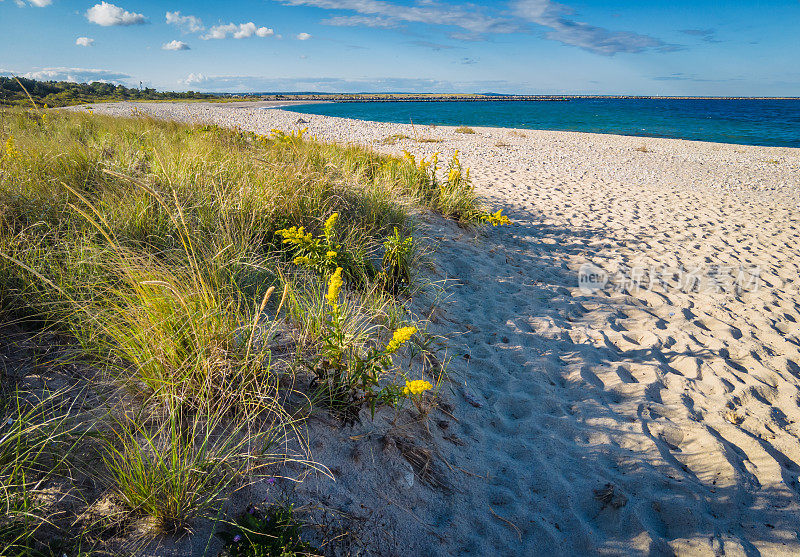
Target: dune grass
x,y
155,254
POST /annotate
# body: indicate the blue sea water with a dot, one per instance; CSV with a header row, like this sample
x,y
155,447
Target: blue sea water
x,y
772,122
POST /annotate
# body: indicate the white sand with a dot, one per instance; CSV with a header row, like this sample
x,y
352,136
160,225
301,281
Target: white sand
x,y
620,423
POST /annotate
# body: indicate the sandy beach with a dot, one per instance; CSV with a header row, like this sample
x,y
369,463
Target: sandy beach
x,y
656,414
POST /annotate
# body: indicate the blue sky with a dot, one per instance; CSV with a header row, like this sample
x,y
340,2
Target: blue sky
x,y
682,47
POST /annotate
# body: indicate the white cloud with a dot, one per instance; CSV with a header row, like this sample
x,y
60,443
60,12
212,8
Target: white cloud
x,y
84,41
243,83
360,21
475,22
77,75
303,37
577,33
175,45
240,31
387,14
37,3
187,23
106,14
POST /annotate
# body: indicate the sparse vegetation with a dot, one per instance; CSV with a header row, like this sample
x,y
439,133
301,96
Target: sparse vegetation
x,y
465,129
274,532
394,138
643,149
516,133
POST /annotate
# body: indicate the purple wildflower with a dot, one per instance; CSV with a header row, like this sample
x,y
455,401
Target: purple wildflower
x,y
237,538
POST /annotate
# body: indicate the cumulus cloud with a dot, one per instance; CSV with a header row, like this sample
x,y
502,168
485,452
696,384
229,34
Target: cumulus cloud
x,y
84,41
240,31
187,23
303,37
175,45
106,14
77,75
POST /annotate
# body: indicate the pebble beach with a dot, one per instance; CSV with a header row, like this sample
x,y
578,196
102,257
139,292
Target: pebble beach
x,y
656,412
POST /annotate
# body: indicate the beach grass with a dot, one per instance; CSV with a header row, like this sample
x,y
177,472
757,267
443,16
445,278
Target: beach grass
x,y
153,256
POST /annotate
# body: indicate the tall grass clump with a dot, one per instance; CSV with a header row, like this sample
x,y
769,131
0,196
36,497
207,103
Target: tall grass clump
x,y
197,271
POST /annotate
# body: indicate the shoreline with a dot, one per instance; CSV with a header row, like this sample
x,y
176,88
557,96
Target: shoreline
x,y
632,419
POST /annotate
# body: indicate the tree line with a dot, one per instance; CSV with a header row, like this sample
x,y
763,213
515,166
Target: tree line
x,y
64,93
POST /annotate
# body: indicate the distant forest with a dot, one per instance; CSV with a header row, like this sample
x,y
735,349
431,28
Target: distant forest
x,y
64,93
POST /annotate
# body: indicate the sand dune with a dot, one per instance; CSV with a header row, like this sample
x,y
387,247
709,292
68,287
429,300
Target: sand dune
x,y
653,420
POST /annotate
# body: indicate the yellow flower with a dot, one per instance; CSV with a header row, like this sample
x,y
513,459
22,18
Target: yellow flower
x,y
302,260
400,336
11,151
453,176
417,387
331,255
495,219
330,224
334,285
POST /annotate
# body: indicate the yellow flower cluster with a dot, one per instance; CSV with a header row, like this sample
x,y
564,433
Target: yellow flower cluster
x,y
424,164
295,235
10,150
400,337
330,255
453,176
334,285
330,224
495,219
417,387
302,260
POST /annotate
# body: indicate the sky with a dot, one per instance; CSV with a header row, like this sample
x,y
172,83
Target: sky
x,y
635,47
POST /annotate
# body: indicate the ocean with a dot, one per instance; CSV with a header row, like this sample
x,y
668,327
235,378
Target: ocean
x,y
770,122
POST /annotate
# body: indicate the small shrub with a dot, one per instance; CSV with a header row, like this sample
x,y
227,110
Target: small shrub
x,y
272,533
515,133
394,138
396,272
465,129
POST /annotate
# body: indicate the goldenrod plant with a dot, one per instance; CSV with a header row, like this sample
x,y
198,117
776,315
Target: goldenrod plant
x,y
349,374
321,254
